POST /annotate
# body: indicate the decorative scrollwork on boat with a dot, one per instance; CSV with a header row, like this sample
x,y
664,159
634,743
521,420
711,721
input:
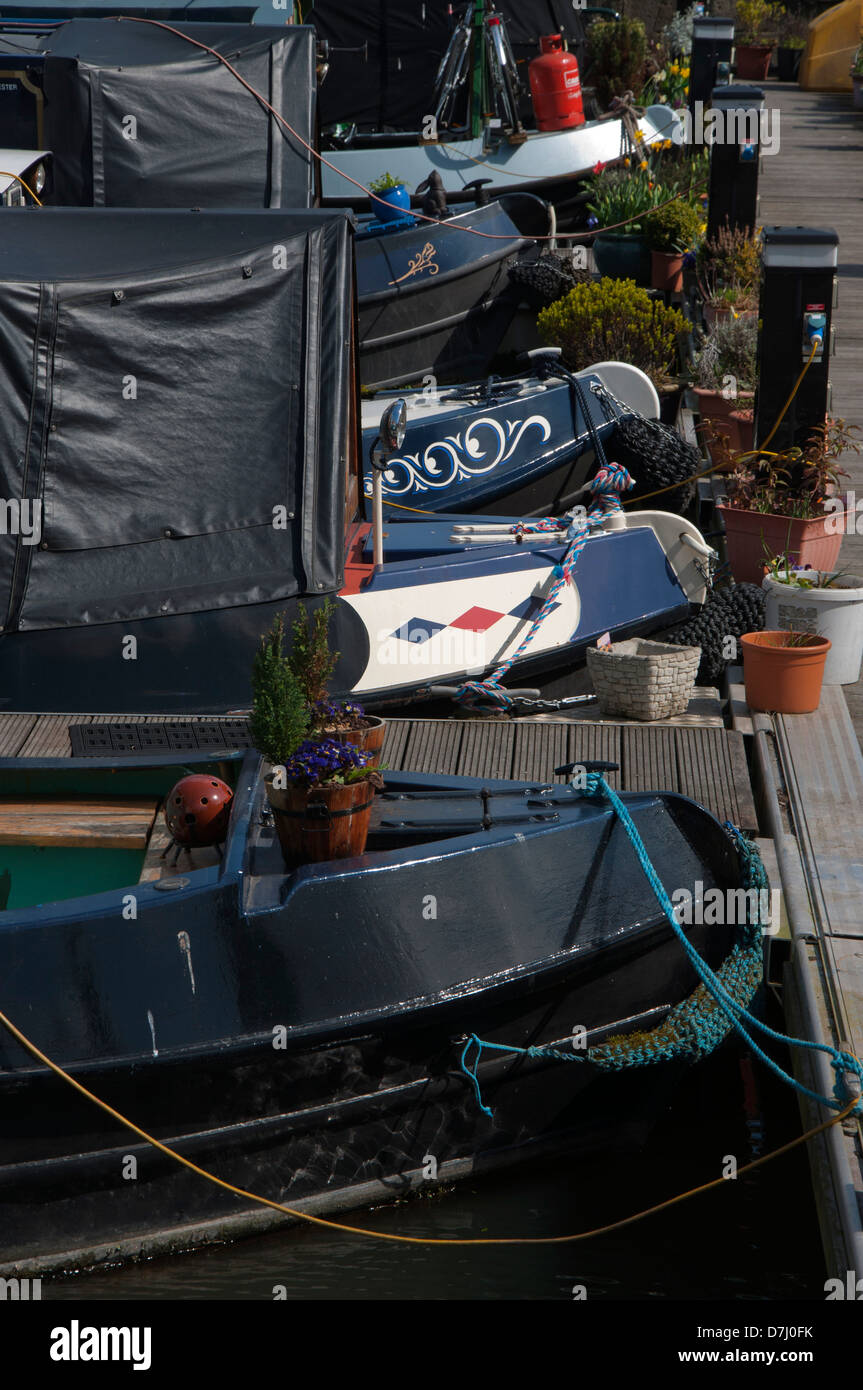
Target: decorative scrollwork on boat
x,y
424,260
484,445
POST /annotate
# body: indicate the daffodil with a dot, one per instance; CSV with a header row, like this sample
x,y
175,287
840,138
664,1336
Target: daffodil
x,y
643,164
684,72
626,161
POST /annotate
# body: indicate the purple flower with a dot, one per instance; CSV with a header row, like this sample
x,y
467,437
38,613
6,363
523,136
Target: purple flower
x,y
593,222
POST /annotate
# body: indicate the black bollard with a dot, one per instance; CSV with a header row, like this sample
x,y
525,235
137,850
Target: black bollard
x,y
733,132
712,41
798,292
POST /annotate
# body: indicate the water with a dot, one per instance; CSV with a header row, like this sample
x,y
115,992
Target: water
x,y
755,1238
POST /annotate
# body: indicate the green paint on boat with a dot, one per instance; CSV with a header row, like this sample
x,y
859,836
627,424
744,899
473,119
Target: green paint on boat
x,y
40,874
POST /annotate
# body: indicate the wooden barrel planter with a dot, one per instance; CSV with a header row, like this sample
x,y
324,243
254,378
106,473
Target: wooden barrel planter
x,y
315,824
370,736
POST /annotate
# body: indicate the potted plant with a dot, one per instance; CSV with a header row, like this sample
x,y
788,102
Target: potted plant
x,y
792,30
670,232
610,320
618,199
725,368
857,80
391,198
754,48
312,664
320,790
729,271
779,501
783,671
826,602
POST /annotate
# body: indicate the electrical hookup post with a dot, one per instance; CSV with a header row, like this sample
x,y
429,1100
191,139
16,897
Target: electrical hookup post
x,y
798,296
734,159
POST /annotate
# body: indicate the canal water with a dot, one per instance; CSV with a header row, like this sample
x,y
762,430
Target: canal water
x,y
754,1238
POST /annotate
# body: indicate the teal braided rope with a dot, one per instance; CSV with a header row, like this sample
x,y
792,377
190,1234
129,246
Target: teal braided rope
x,y
606,486
695,1027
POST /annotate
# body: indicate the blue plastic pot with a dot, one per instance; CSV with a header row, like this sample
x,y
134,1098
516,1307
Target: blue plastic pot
x,y
395,203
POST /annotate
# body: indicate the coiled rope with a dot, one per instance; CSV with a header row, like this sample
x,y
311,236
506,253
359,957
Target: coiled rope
x,y
695,1027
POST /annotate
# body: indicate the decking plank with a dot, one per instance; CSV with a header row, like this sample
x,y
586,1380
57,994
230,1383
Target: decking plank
x,y
14,732
433,745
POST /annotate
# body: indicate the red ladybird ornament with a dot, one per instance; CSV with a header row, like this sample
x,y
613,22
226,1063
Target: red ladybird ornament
x,y
197,810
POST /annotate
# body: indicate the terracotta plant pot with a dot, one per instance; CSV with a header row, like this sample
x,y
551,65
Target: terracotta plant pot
x,y
725,414
752,61
666,271
780,678
744,425
370,737
811,541
315,824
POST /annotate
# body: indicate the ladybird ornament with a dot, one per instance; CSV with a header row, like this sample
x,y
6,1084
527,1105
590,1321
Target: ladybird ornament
x,y
197,811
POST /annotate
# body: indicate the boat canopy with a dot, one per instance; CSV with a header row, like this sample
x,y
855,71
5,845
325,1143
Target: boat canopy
x,y
833,39
177,411
129,105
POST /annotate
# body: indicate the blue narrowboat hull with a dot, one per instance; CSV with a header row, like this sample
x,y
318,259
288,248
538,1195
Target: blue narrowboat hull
x,y
242,1024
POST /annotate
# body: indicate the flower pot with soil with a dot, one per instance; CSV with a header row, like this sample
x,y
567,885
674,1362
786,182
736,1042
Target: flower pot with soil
x,y
321,799
670,232
392,199
756,23
320,788
784,503
783,671
828,603
725,369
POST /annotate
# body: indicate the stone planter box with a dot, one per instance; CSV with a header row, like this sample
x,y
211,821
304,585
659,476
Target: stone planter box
x,y
639,679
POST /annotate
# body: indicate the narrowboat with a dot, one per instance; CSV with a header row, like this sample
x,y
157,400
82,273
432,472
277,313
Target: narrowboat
x,y
314,1036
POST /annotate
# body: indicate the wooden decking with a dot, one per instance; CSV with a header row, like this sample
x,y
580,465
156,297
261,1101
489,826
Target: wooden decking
x,y
816,179
702,761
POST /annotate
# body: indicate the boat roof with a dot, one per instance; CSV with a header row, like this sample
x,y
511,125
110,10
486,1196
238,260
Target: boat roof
x,y
15,162
173,437
131,106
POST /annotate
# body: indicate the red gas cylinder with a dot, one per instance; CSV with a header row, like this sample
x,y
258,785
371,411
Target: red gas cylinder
x,y
555,86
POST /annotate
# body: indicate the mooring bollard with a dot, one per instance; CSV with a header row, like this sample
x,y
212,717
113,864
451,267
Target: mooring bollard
x,y
798,295
712,41
734,158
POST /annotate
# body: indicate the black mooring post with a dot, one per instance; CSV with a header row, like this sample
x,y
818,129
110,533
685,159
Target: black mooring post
x,y
734,157
710,60
798,294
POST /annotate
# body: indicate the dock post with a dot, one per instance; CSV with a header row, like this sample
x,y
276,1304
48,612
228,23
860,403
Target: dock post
x,y
710,60
798,295
734,158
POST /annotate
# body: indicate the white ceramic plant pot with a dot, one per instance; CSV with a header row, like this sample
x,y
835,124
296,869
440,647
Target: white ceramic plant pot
x,y
836,613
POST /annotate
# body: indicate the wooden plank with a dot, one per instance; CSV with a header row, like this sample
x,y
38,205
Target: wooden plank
x,y
14,731
599,741
828,772
49,737
648,758
395,743
539,749
433,745
82,824
714,772
487,748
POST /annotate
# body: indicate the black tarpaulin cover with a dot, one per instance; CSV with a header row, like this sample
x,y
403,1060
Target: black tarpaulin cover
x,y
185,383
384,54
130,106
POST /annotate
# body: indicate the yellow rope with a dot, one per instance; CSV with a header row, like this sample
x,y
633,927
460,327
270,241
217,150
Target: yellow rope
x,y
402,1239
5,173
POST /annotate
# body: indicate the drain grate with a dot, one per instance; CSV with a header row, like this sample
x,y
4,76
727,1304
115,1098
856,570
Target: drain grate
x,y
162,736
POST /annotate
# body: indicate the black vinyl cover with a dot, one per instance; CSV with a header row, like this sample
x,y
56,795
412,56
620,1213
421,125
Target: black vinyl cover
x,y
185,377
384,54
130,106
